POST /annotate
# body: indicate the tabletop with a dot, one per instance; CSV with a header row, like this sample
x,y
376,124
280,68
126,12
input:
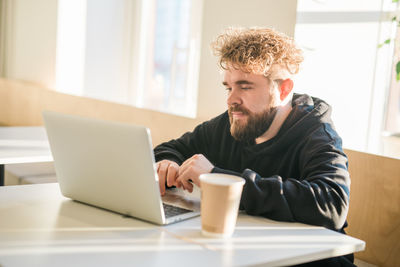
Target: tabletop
x,y
24,145
20,144
40,227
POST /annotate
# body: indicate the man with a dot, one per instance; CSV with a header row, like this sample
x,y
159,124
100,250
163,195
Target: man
x,y
283,144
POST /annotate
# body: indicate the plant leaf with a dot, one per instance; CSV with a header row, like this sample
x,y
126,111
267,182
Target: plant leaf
x,y
398,71
387,41
395,1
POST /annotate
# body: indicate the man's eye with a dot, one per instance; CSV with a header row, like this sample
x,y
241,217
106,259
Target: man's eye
x,y
228,89
245,88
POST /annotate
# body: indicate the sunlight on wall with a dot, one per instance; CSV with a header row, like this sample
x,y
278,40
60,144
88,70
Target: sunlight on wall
x,y
70,52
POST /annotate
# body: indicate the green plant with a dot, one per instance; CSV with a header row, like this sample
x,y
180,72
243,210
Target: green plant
x,y
388,41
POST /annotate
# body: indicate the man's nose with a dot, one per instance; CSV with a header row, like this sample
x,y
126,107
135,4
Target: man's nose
x,y
234,98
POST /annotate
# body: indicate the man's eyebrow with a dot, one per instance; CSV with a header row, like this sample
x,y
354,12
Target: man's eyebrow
x,y
239,82
243,82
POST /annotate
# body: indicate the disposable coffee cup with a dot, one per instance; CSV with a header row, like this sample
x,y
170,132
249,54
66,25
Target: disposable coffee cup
x,y
220,198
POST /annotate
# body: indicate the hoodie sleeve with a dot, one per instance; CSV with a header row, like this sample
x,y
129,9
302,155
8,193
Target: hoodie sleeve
x,y
178,150
320,196
199,141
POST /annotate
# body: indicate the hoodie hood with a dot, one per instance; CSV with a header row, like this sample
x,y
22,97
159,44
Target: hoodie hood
x,y
308,113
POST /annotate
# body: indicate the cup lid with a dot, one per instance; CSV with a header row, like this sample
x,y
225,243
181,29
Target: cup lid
x,y
220,179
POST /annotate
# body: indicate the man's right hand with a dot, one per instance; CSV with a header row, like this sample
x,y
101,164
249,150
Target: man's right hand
x,y
167,171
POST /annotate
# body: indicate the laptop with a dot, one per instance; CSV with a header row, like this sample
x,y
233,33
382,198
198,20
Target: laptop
x,y
111,165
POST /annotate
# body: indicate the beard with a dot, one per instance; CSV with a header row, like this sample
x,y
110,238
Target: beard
x,y
256,124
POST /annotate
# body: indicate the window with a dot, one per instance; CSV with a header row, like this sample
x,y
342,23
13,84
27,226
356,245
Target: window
x,y
169,56
143,53
392,123
344,66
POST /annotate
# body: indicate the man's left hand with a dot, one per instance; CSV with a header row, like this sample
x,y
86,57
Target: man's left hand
x,y
191,170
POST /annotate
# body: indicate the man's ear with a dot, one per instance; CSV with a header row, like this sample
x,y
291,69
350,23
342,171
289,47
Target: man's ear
x,y
285,88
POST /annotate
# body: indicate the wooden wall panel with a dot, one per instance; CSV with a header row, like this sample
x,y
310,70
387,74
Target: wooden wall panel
x,y
374,214
21,104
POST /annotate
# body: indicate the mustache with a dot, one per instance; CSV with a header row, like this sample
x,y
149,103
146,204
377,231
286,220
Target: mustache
x,y
244,110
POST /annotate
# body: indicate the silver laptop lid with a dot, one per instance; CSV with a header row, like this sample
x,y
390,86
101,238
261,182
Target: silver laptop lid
x,y
105,164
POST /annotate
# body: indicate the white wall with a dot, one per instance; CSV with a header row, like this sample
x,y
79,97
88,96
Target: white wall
x,y
31,41
106,24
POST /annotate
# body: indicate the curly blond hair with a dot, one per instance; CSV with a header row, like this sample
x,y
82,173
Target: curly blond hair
x,y
257,50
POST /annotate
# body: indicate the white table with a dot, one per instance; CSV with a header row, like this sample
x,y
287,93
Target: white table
x,y
23,145
39,227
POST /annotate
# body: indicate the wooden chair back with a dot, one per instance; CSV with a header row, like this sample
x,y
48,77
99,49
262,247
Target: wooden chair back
x,y
374,214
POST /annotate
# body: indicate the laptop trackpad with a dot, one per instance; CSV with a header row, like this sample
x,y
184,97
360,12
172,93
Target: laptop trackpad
x,y
183,199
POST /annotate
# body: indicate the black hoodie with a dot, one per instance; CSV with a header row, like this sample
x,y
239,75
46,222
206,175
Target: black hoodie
x,y
299,175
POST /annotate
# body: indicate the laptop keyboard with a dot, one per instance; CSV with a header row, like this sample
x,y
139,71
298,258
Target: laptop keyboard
x,y
171,211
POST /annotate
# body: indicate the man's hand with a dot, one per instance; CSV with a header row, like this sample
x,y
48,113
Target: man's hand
x,y
167,170
191,169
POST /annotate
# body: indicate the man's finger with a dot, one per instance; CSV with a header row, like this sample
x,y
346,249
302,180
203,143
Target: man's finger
x,y
184,180
171,174
185,165
158,166
162,173
190,174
